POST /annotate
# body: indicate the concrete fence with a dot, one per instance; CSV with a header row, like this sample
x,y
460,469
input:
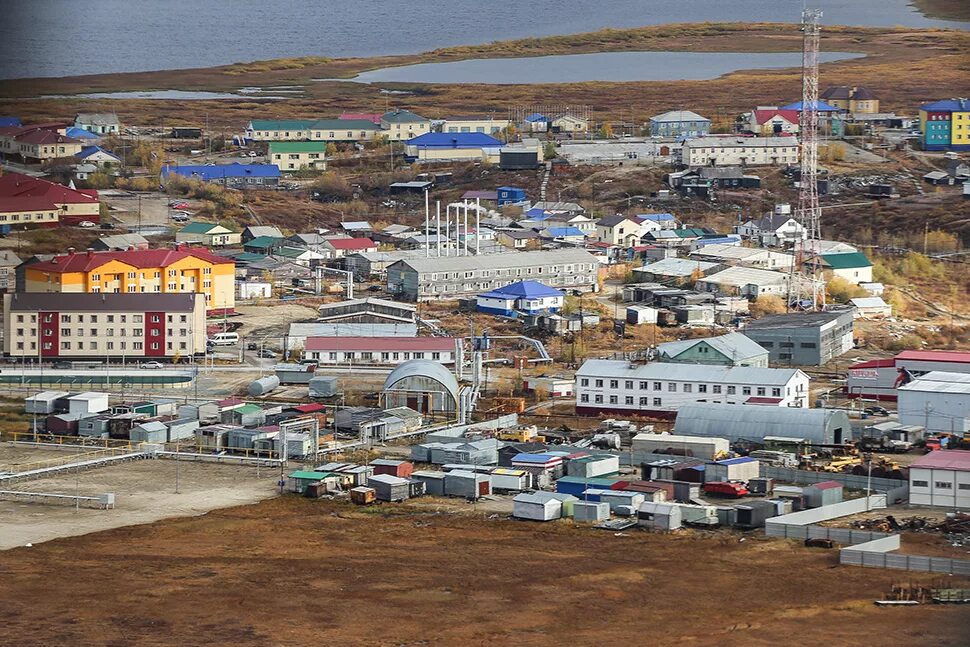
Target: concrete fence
x,y
838,535
878,554
895,490
803,524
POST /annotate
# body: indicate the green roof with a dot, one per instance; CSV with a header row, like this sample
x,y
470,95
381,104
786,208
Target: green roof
x,y
281,124
248,257
310,476
297,147
344,124
199,227
291,252
264,242
846,261
401,117
248,408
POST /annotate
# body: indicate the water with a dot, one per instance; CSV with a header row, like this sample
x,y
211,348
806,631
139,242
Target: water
x,y
73,37
180,95
577,68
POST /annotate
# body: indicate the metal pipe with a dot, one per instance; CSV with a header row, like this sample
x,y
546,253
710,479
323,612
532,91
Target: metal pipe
x,y
448,230
478,226
438,227
465,239
427,225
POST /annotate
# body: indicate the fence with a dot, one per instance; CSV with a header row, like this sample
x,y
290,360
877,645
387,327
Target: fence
x,y
838,535
895,490
877,554
802,525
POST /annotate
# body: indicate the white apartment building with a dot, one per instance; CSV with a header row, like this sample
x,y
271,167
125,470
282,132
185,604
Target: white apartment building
x,y
660,389
740,151
103,325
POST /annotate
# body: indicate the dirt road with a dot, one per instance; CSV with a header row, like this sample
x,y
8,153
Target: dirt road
x,y
292,571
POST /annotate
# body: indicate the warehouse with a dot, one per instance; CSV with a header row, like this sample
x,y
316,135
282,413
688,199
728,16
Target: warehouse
x,y
425,279
379,351
803,338
941,478
939,401
700,447
467,484
617,386
817,426
537,506
423,385
879,378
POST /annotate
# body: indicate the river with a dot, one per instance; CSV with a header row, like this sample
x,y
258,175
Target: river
x,y
72,37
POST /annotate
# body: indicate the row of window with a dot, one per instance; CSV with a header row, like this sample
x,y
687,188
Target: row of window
x,y
107,332
685,387
469,287
788,344
942,485
743,150
66,319
367,356
471,274
93,345
16,217
158,274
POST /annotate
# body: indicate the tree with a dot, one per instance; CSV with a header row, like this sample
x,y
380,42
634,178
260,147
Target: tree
x,y
606,131
767,304
841,290
549,151
331,149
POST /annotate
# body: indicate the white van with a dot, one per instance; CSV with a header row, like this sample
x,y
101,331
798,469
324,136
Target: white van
x,y
223,339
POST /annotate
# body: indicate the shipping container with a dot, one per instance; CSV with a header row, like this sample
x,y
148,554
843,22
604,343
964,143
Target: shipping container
x,y
590,511
389,488
322,386
400,469
43,402
824,493
733,469
659,516
576,486
695,446
469,485
263,386
754,514
593,466
537,506
509,480
434,482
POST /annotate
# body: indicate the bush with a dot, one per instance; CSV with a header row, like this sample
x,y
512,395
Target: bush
x,y
841,290
767,304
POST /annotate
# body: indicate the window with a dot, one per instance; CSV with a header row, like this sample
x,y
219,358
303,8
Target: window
x,y
436,356
614,384
333,357
776,393
761,391
656,402
767,344
136,318
702,388
940,485
963,486
598,399
65,318
731,390
745,390
629,384
657,386
644,386
688,388
599,384
629,399
614,399
584,397
584,381
644,402
808,344
784,356
786,344
65,345
672,386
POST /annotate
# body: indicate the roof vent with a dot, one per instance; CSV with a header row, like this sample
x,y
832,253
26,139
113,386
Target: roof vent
x,y
70,250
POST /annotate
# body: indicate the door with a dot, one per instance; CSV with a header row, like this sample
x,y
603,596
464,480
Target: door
x,y
838,436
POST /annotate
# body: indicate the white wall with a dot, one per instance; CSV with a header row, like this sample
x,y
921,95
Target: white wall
x,y
939,487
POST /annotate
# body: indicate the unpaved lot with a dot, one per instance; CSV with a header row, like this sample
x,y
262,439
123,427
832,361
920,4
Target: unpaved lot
x,y
291,571
144,492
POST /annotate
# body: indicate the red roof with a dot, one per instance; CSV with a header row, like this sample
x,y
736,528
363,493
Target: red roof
x,y
45,137
762,116
14,185
87,261
308,408
947,459
762,400
934,356
377,344
26,203
874,363
827,485
230,402
366,116
352,243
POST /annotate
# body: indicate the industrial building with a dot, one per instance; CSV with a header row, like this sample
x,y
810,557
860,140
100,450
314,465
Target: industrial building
x,y
380,351
941,478
815,426
617,386
938,401
879,378
425,279
803,338
423,385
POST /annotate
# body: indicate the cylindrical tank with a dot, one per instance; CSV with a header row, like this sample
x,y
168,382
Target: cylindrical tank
x,y
263,385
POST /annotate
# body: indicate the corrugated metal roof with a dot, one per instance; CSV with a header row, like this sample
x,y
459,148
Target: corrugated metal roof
x,y
676,267
500,260
423,368
619,369
732,345
735,421
949,459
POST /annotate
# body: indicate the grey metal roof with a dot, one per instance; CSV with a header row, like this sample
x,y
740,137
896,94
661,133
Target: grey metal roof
x,y
733,345
423,368
734,421
740,276
676,267
102,302
794,319
686,372
351,329
122,241
264,230
676,116
496,261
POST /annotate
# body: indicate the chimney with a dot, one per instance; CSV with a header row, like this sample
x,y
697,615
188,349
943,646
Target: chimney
x,y
90,252
70,250
131,248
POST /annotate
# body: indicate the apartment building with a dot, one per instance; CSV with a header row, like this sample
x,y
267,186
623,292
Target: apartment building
x,y
740,151
33,202
151,271
424,279
660,389
344,130
272,130
297,156
402,125
379,351
99,326
465,124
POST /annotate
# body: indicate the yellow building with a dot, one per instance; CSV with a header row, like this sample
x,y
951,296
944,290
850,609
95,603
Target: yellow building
x,y
270,130
402,125
296,156
852,99
487,125
176,270
960,128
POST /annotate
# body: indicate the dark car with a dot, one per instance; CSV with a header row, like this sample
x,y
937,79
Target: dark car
x,y
107,225
877,411
267,353
374,288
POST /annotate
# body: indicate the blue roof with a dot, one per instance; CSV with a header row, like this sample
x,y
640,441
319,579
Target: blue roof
x,y
219,171
525,289
88,151
79,133
511,188
533,458
536,117
537,214
562,232
736,461
657,217
10,122
454,140
720,240
947,105
821,106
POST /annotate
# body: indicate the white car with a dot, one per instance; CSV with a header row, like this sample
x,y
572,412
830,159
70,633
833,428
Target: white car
x,y
253,154
87,224
151,365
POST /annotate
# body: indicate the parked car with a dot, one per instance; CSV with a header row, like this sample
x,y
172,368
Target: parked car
x,y
876,411
87,224
178,204
267,353
150,365
107,225
253,154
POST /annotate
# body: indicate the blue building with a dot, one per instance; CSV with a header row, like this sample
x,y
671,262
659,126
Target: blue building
x,y
80,133
945,125
530,297
10,122
449,146
679,124
231,175
510,195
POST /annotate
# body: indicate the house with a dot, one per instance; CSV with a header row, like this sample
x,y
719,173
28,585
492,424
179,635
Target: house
x,y
566,235
517,238
776,229
83,171
660,389
744,256
945,125
179,269
509,195
210,234
452,147
235,175
942,479
345,130
298,156
379,351
732,349
677,269
619,230
488,124
98,123
423,279
567,219
29,201
739,151
748,282
299,256
41,145
8,265
357,228
268,130
535,123
119,242
807,247
679,124
256,231
662,220
803,338
340,247
871,308
403,125
854,267
854,99
524,296
263,245
769,121
99,326
99,157
569,124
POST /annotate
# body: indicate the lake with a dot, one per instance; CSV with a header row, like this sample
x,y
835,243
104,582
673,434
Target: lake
x,y
73,37
603,66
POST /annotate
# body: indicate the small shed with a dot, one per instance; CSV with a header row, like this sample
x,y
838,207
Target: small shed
x,y
638,314
543,467
363,495
298,481
593,466
150,431
434,482
422,453
181,428
88,402
322,386
389,488
43,402
401,469
754,514
743,468
360,473
591,511
659,516
617,498
537,506
62,424
576,485
824,493
505,479
469,485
